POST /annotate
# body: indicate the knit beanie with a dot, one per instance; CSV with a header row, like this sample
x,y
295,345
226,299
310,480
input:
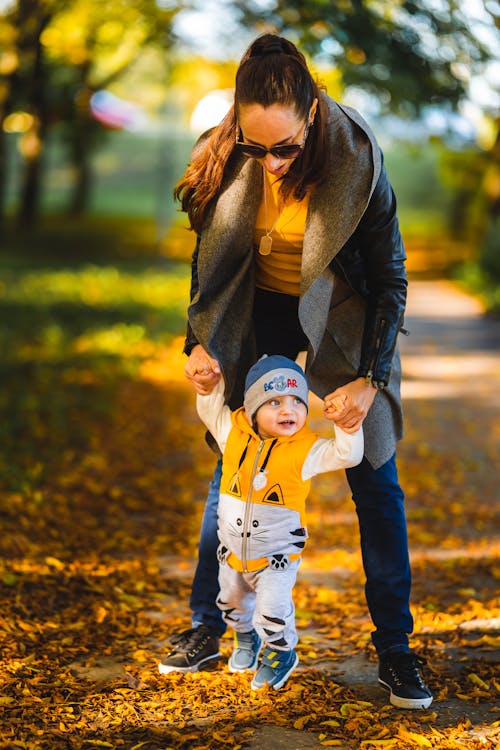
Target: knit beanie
x,y
273,376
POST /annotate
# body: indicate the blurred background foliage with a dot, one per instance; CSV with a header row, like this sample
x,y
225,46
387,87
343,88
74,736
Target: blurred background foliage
x,y
100,103
97,100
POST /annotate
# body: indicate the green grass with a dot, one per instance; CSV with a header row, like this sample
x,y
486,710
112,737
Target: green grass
x,y
415,174
133,174
82,306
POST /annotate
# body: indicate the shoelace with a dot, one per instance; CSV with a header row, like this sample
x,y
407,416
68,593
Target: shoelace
x,y
191,640
179,637
405,667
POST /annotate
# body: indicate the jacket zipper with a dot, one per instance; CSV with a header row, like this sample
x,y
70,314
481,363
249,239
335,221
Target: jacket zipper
x,y
378,344
402,329
248,505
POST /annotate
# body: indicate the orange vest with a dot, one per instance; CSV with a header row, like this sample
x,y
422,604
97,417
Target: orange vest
x,y
263,495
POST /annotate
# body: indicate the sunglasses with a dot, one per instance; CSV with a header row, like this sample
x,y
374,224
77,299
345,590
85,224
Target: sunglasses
x,y
287,151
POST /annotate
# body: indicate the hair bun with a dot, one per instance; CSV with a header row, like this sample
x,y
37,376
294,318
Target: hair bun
x,y
268,45
273,47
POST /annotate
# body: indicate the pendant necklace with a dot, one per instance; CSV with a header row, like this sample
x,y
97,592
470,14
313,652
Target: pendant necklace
x,y
266,241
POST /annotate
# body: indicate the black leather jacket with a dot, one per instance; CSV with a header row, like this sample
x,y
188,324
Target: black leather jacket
x,y
372,263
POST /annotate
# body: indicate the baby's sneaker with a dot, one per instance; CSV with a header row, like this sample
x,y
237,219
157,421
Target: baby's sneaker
x,y
275,668
246,652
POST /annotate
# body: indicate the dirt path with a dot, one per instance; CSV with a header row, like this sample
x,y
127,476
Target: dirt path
x,y
453,350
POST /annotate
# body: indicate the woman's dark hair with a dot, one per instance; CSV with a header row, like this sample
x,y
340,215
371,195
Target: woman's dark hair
x,y
272,71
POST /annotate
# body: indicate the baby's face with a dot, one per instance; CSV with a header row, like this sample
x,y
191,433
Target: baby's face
x,y
281,416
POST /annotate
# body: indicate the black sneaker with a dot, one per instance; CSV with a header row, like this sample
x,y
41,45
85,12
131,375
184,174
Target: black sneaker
x,y
399,673
191,650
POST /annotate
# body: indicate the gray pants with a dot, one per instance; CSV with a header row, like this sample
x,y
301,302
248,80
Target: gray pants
x,y
260,600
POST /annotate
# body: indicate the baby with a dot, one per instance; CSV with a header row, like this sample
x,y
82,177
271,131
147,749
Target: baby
x,y
269,456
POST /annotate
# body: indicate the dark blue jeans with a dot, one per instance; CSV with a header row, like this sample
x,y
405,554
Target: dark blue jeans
x,y
379,504
384,544
205,588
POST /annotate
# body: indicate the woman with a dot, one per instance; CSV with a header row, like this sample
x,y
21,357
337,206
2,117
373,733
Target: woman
x,y
299,249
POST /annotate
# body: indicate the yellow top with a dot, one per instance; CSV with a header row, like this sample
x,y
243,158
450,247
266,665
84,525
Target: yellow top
x,y
280,270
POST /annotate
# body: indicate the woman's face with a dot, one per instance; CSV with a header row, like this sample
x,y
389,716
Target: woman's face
x,y
275,125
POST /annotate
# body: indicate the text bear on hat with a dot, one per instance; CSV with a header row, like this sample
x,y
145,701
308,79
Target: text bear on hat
x,y
271,377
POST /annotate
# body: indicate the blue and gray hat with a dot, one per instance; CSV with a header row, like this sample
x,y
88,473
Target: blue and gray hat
x,y
273,376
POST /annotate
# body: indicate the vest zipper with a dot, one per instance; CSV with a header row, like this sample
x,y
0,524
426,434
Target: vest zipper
x,y
248,504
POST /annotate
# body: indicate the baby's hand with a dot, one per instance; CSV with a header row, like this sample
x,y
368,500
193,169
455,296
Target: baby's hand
x,y
334,405
202,370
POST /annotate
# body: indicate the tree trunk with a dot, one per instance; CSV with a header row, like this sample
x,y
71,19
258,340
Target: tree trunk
x,y
6,109
3,177
33,141
81,148
30,193
81,190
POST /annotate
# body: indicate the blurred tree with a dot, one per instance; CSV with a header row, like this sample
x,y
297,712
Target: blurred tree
x,y
62,51
23,86
204,75
99,41
409,53
8,67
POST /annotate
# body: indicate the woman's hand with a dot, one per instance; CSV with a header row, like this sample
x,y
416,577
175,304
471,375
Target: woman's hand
x,y
348,405
202,370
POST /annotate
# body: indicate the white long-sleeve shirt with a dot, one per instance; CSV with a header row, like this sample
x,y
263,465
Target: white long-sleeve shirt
x,y
265,482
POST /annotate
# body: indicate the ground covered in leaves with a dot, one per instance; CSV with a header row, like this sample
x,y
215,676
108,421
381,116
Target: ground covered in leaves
x,y
104,473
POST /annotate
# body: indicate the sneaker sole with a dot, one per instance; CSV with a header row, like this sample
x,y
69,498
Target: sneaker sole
x,y
277,685
400,702
166,669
